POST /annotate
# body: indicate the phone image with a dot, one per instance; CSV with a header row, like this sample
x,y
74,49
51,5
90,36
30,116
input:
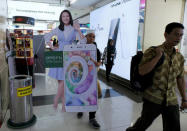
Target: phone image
x,y
80,78
113,33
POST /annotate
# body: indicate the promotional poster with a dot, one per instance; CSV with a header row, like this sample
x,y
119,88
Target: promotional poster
x,y
118,21
80,76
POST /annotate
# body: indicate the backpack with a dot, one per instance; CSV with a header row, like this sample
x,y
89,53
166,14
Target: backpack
x,y
138,82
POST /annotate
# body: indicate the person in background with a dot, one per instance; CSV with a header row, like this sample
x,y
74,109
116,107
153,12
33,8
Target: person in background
x,y
66,33
108,57
161,97
90,36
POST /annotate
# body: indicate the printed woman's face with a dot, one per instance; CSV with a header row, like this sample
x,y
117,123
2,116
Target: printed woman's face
x,y
65,18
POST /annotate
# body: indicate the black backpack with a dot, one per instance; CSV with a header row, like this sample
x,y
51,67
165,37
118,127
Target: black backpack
x,y
138,82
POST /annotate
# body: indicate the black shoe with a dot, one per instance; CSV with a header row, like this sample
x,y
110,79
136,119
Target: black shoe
x,y
94,123
99,96
107,79
79,115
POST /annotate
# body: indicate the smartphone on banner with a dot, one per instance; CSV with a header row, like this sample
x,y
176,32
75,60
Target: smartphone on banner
x,y
80,78
113,32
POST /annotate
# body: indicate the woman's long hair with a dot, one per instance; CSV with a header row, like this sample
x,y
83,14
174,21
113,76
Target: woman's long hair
x,y
110,48
61,26
109,41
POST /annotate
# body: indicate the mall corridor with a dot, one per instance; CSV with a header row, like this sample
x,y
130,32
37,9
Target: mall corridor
x,y
67,46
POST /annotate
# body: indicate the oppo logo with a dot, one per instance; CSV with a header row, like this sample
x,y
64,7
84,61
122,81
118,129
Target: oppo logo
x,y
120,2
116,4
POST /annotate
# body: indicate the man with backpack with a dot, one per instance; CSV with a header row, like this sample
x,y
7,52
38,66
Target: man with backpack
x,y
160,97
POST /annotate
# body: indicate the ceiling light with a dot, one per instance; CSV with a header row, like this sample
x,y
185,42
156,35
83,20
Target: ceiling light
x,y
67,3
73,1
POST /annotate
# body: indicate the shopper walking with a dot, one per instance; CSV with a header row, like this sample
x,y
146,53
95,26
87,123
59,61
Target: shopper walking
x,y
108,57
161,97
66,32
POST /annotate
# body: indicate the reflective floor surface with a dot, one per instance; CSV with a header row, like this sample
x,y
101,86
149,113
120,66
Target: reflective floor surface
x,y
118,109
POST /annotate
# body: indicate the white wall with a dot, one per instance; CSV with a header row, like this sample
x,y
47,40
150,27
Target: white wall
x,y
183,47
158,14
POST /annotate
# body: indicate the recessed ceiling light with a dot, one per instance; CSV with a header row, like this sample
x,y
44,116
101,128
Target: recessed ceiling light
x,y
73,1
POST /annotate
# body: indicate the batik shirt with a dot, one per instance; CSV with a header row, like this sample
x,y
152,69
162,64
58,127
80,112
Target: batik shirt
x,y
165,76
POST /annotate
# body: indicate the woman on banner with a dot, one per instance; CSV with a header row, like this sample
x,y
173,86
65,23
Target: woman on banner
x,y
67,32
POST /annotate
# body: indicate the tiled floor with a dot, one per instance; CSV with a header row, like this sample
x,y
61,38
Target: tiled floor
x,y
116,111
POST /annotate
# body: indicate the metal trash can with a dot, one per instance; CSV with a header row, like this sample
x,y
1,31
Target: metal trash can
x,y
21,111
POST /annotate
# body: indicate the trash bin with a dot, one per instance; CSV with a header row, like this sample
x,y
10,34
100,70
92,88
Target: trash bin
x,y
21,111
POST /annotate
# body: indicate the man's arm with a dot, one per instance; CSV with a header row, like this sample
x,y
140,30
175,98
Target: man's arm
x,y
148,67
97,63
181,87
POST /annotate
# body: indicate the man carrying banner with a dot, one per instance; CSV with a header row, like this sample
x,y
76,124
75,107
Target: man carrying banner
x,y
90,36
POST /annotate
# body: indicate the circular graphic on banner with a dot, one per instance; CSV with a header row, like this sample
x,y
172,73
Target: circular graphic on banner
x,y
78,75
75,73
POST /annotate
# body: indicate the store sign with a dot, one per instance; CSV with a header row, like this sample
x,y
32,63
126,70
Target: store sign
x,y
53,59
23,20
119,3
40,11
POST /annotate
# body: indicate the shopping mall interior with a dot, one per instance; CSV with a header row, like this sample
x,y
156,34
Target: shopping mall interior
x,y
49,72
